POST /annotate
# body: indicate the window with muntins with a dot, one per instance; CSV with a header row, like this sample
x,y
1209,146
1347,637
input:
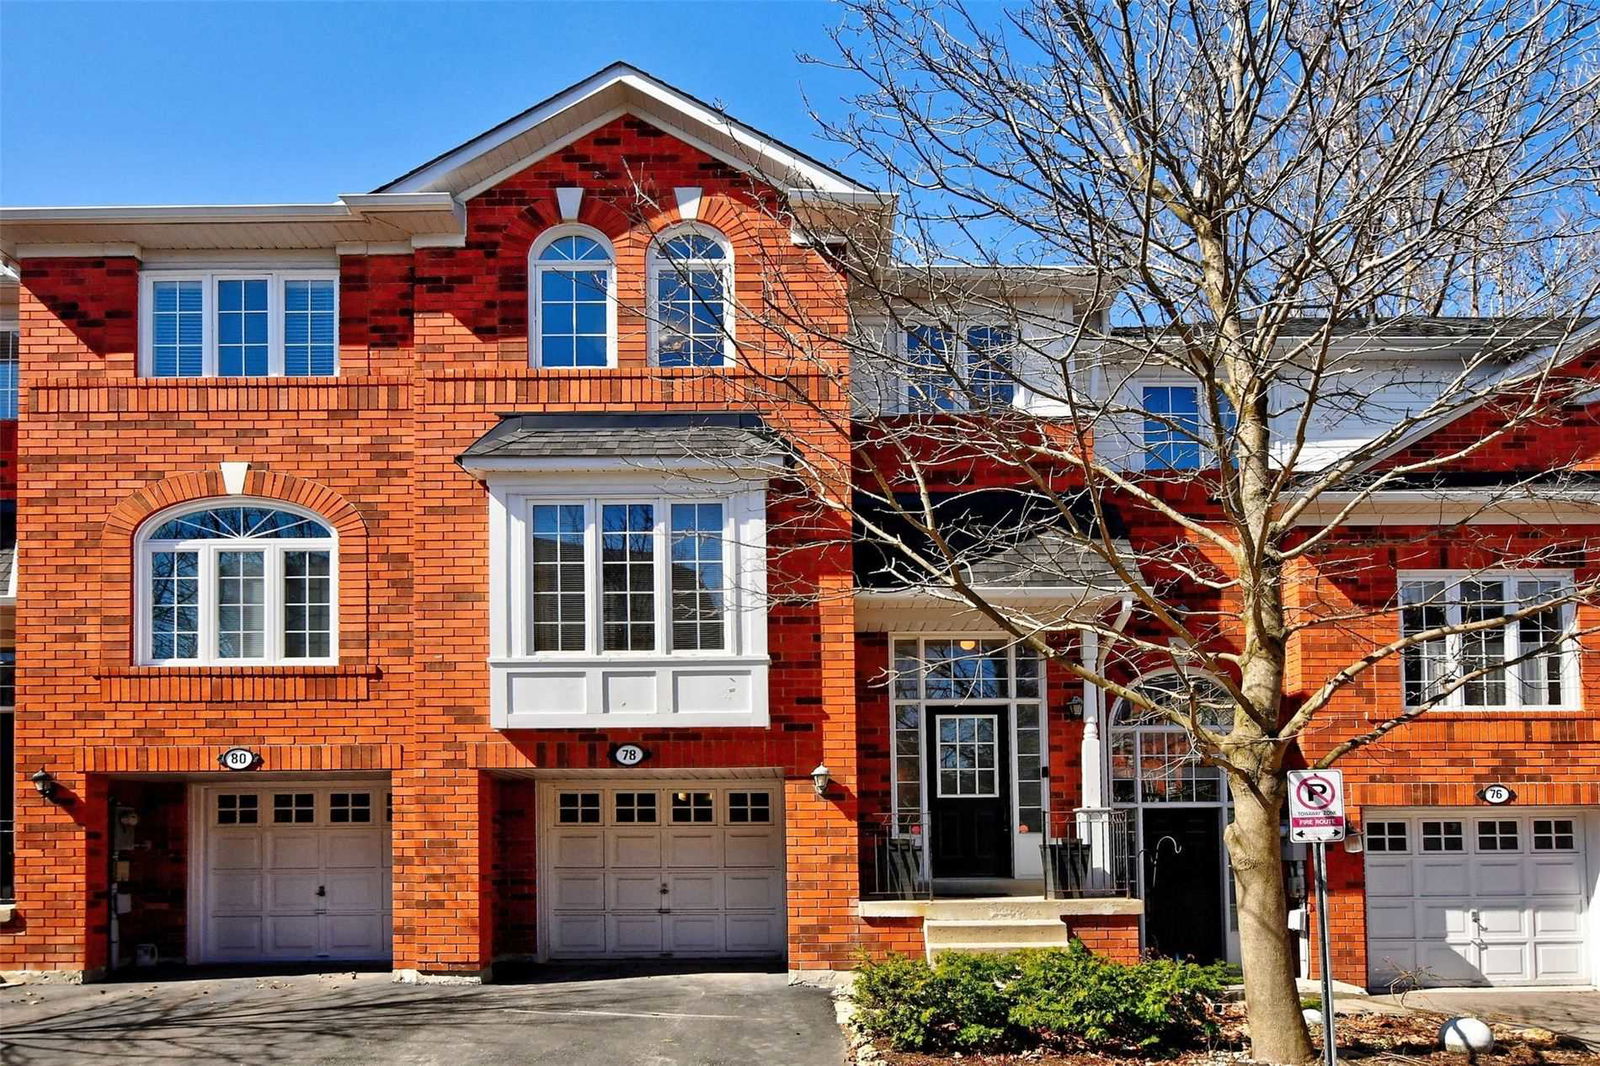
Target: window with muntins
x,y
641,575
1176,428
952,370
1527,663
8,373
691,284
239,323
574,312
238,584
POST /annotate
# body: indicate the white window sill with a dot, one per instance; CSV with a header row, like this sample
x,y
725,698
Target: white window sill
x,y
620,692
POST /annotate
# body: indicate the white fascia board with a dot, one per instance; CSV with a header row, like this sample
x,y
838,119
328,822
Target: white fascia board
x,y
743,469
80,250
617,78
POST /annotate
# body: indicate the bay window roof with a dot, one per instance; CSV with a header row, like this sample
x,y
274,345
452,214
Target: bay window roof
x,y
711,439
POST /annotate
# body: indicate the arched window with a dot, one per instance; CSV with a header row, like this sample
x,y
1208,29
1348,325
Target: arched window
x,y
573,300
691,285
251,582
1152,758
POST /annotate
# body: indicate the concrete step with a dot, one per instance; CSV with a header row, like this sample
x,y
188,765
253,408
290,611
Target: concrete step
x,y
996,908
1030,932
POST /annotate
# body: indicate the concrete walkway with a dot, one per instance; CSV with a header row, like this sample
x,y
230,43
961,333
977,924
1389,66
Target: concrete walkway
x,y
1569,1013
611,1016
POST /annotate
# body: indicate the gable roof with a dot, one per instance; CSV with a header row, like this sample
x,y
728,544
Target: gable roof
x,y
1577,342
497,153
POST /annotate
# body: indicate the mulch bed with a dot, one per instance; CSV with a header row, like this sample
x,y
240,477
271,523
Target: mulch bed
x,y
1411,1039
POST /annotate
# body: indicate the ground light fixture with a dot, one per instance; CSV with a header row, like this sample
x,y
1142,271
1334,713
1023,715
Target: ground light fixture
x,y
821,777
47,786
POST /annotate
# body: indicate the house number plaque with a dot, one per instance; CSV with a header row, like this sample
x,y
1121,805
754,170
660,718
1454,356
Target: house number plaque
x,y
239,759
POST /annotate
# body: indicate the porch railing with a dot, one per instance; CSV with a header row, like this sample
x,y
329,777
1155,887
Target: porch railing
x,y
1088,853
893,861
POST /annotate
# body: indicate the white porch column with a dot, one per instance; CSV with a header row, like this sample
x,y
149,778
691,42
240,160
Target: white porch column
x,y
1092,759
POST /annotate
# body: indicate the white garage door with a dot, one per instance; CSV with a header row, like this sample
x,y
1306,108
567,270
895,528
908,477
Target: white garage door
x,y
294,873
646,869
1474,897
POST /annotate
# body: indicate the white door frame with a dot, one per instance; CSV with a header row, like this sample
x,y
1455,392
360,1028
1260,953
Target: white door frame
x,y
544,793
198,796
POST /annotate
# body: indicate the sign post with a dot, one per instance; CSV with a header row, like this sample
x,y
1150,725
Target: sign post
x,y
1316,816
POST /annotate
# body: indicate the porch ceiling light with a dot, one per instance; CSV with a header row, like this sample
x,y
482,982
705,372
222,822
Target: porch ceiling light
x,y
821,778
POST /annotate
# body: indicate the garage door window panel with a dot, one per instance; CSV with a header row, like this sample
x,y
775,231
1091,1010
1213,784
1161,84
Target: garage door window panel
x,y
693,807
294,808
1442,837
578,808
1388,837
350,807
632,808
238,808
750,807
1498,835
1554,834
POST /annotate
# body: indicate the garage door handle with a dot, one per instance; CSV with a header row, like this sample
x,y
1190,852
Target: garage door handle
x,y
322,890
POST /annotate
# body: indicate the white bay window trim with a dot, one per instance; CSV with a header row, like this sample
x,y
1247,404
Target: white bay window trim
x,y
1451,657
277,282
660,687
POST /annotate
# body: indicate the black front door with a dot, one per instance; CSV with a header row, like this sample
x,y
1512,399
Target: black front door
x,y
1183,883
969,792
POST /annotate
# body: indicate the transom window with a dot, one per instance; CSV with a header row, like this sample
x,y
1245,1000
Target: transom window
x,y
1152,758
237,584
691,285
954,370
1527,663
574,307
239,324
648,575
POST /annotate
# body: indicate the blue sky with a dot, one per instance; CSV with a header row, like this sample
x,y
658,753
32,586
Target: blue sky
x,y
139,103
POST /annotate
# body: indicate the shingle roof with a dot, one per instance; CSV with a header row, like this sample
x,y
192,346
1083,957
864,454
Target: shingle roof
x,y
1002,538
720,437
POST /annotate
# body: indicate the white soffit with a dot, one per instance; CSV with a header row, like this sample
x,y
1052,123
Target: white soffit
x,y
411,218
620,89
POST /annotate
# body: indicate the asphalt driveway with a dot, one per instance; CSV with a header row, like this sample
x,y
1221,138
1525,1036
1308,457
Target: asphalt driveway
x,y
610,1016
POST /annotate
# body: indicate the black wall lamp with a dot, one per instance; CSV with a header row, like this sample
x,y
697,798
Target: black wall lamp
x,y
50,789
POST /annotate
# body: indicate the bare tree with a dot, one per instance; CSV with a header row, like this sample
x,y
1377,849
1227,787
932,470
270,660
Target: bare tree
x,y
1188,283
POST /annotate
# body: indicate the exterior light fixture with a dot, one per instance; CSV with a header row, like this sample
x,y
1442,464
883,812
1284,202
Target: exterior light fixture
x,y
45,783
821,778
1075,707
967,645
1353,843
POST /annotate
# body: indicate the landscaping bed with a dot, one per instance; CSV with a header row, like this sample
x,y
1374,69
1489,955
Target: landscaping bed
x,y
1375,1039
1071,1008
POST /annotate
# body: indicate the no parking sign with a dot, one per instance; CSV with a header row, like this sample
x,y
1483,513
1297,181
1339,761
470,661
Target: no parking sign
x,y
1316,806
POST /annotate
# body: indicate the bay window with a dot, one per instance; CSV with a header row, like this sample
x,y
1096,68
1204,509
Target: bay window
x,y
249,584
239,323
636,601
1527,663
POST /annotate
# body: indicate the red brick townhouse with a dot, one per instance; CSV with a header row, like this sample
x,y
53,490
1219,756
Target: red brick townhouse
x,y
428,579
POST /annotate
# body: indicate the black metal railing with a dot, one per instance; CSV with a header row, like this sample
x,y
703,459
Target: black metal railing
x,y
894,862
1089,853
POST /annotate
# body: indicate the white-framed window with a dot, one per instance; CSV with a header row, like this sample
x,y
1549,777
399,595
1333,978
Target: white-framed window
x,y
573,303
619,598
945,369
237,583
9,367
691,297
621,574
1541,666
238,323
1177,427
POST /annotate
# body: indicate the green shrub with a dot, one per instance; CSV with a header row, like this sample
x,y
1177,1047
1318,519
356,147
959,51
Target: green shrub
x,y
970,1002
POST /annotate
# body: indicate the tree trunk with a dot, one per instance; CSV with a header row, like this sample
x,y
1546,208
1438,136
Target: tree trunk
x,y
1277,1030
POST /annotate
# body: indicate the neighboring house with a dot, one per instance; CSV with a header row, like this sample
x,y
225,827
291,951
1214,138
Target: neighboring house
x,y
451,515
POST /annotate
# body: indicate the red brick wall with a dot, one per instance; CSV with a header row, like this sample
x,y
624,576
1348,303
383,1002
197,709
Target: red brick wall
x,y
433,348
